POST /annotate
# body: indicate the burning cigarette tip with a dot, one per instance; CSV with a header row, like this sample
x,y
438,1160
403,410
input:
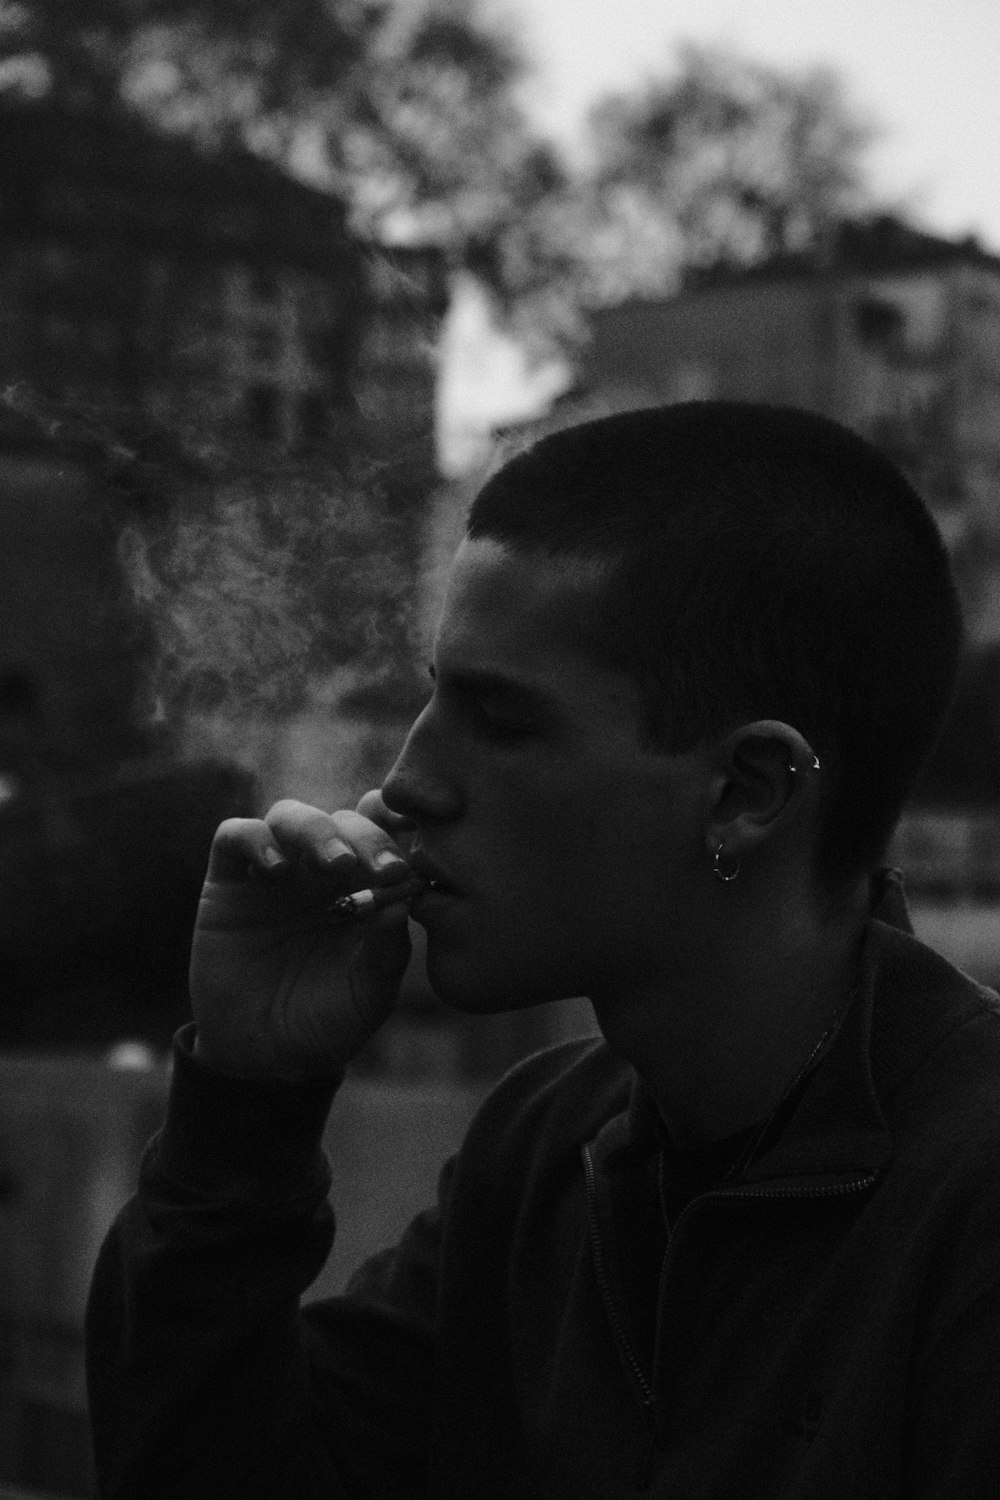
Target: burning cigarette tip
x,y
360,904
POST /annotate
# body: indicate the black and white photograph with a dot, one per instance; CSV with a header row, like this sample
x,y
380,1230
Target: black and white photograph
x,y
499,750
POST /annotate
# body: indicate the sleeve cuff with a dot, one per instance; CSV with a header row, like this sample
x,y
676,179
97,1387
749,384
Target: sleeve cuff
x,y
242,1140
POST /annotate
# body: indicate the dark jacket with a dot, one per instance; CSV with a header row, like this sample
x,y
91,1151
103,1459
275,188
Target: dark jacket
x,y
824,1327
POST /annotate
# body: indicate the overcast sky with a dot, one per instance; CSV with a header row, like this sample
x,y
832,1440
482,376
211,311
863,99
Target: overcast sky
x,y
926,71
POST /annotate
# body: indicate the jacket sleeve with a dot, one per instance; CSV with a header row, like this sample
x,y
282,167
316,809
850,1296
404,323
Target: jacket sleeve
x,y
205,1377
955,1446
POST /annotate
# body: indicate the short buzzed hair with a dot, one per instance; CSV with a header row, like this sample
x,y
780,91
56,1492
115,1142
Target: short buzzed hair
x,y
759,562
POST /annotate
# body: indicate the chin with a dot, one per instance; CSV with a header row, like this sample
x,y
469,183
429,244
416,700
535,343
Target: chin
x,y
466,987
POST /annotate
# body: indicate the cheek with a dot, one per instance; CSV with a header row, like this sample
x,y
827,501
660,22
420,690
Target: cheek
x,y
574,836
561,865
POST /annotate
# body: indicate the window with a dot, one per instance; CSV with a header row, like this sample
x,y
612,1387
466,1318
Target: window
x,y
879,322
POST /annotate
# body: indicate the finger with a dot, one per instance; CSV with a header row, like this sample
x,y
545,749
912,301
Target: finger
x,y
373,806
373,846
345,841
305,832
386,945
242,845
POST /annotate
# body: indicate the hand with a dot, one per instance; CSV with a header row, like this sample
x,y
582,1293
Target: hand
x,y
277,989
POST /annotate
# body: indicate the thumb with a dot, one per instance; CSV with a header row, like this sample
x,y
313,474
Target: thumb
x,y
386,945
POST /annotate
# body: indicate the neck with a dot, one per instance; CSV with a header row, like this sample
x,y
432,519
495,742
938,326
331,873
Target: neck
x,y
719,1051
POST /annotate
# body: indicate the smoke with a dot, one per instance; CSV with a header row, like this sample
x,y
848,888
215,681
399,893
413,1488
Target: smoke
x,y
260,586
231,621
278,581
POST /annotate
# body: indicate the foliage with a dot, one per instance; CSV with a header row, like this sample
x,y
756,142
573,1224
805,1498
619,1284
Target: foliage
x,y
435,98
406,109
241,60
409,110
728,163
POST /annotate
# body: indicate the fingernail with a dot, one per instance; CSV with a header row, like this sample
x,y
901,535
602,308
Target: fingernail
x,y
335,850
389,861
273,859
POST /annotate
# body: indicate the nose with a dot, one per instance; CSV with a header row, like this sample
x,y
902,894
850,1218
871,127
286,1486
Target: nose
x,y
421,785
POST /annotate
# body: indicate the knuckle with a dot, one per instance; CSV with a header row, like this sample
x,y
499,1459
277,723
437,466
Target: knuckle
x,y
297,821
236,831
286,810
350,825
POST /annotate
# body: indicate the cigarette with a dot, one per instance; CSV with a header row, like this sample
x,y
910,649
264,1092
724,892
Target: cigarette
x,y
360,904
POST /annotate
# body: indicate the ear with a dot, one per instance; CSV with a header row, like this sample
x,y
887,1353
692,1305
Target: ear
x,y
765,777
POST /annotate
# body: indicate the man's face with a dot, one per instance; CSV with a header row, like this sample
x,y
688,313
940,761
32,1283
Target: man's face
x,y
570,856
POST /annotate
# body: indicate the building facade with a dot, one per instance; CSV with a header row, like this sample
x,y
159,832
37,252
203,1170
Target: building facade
x,y
224,302
898,336
215,292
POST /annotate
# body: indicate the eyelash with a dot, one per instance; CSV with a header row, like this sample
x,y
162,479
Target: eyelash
x,y
491,728
483,722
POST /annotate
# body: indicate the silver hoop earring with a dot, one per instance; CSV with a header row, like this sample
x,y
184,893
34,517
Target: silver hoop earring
x,y
724,875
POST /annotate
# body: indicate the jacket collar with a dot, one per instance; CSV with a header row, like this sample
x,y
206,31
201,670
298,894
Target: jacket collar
x,y
837,1130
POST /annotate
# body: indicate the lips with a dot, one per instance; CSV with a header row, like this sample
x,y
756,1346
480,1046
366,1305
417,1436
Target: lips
x,y
434,876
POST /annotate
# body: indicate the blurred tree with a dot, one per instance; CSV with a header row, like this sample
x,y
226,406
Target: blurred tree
x,y
219,67
410,111
434,140
435,146
729,163
408,108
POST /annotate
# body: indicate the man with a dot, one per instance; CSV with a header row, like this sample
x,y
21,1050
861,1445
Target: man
x,y
689,664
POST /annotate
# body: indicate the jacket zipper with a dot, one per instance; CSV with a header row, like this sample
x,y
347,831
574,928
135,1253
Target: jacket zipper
x,y
833,1190
644,1386
644,1471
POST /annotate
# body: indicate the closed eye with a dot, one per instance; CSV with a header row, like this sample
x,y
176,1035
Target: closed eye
x,y
485,705
495,726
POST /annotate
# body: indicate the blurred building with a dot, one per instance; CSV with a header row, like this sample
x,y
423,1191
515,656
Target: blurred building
x,y
214,291
103,838
226,301
896,334
142,278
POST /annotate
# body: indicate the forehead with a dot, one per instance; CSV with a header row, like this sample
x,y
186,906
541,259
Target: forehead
x,y
515,599
523,614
